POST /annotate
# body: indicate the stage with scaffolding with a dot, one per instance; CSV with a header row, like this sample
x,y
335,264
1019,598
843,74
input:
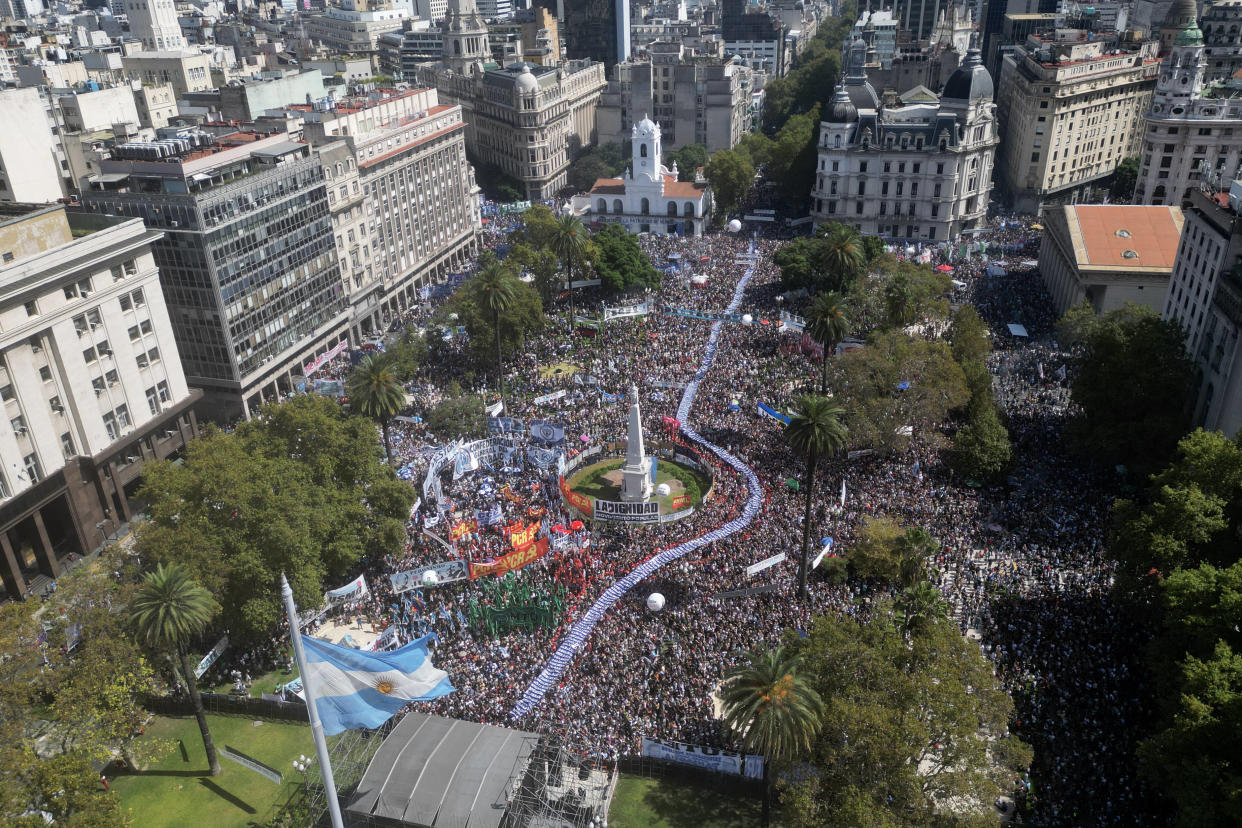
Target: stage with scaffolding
x,y
433,772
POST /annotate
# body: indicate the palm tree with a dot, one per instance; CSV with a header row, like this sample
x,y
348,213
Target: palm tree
x,y
899,299
913,550
375,392
169,611
496,293
569,241
842,255
828,324
815,430
774,708
920,605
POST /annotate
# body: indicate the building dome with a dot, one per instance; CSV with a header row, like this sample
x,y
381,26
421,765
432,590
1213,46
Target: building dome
x,y
970,81
1189,36
526,81
841,109
645,128
1180,13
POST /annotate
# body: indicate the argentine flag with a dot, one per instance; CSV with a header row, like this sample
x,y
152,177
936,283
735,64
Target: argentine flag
x,y
354,688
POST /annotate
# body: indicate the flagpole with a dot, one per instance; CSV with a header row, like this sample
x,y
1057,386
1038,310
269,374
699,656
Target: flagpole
x,y
321,744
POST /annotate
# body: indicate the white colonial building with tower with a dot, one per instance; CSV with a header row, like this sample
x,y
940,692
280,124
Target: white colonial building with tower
x,y
649,198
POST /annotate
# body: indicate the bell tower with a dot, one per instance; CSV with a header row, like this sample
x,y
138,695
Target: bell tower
x,y
465,48
645,143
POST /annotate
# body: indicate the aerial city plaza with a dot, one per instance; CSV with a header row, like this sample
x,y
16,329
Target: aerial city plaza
x,y
700,414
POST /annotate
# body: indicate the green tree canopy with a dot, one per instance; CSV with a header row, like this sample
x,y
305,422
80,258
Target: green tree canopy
x,y
731,176
1181,566
621,263
913,719
457,416
894,383
1124,178
981,448
831,260
521,317
301,489
688,158
968,336
375,392
1132,385
793,155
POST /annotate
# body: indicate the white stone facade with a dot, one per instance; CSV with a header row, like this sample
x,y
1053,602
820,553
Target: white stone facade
x,y
649,198
920,171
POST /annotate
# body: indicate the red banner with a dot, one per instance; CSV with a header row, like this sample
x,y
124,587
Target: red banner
x,y
681,502
518,558
466,527
524,536
580,502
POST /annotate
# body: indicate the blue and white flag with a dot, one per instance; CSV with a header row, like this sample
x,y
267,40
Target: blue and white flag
x,y
356,689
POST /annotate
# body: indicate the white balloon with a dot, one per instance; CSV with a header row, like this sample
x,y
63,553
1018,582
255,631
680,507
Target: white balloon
x,y
735,226
655,602
747,319
663,490
430,578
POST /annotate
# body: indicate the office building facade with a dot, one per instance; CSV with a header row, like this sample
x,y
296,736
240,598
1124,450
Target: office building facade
x,y
90,384
247,259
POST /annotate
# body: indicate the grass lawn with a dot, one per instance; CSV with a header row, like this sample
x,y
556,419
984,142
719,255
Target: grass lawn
x,y
590,481
265,683
177,790
649,803
562,369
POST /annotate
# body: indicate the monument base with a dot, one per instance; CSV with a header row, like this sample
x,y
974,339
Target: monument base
x,y
636,481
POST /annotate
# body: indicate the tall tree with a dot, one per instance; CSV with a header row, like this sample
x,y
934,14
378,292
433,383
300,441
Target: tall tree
x,y
828,323
731,177
777,711
913,720
920,605
841,255
569,240
1132,385
496,292
375,392
169,611
814,432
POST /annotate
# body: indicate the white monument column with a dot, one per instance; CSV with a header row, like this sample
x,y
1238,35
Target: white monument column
x,y
636,473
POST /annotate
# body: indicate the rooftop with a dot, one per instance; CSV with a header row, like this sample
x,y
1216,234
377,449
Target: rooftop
x,y
1124,236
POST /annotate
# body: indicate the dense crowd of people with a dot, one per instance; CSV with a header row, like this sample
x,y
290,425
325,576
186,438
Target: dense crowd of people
x,y
1023,565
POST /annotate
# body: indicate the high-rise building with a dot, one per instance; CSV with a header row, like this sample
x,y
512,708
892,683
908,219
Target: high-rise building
x,y
1193,131
755,36
403,199
247,260
696,100
91,386
918,170
154,22
596,30
1070,110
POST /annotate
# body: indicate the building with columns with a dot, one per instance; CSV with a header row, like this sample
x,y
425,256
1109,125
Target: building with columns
x,y
918,170
1193,130
91,385
649,198
247,260
527,121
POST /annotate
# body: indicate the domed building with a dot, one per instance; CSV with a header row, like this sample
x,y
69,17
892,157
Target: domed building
x,y
649,198
525,121
918,169
1199,122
